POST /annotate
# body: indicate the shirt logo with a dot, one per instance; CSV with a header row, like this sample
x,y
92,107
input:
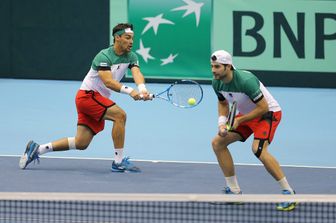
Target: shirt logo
x,y
257,97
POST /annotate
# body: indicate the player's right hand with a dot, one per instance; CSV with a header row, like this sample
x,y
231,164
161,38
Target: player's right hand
x,y
146,96
222,130
136,95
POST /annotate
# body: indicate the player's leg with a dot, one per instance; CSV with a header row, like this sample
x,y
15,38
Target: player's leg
x,y
273,167
118,116
264,131
81,141
225,161
33,150
271,164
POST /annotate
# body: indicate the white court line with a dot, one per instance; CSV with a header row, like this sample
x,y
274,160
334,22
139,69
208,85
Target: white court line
x,y
173,161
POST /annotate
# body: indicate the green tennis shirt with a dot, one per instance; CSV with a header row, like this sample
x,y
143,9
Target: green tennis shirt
x,y
246,90
107,59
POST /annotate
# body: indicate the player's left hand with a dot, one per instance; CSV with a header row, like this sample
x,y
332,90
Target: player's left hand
x,y
136,95
146,96
222,130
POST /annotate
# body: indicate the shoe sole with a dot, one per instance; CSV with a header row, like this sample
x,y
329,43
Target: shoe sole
x,y
125,171
289,208
118,171
24,157
23,161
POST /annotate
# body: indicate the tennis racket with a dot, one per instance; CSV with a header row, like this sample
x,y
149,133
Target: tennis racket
x,y
232,115
182,93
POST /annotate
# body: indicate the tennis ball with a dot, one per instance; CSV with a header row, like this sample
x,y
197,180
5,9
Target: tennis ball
x,y
191,101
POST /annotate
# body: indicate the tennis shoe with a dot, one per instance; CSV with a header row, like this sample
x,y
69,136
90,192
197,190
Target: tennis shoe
x,y
124,166
286,206
29,155
228,191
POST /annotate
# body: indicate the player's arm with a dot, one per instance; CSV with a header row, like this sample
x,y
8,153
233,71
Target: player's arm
x,y
260,109
106,77
139,80
223,111
223,108
109,82
252,89
137,75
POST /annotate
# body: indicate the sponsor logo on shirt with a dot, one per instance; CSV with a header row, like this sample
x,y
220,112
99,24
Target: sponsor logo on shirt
x,y
258,96
103,64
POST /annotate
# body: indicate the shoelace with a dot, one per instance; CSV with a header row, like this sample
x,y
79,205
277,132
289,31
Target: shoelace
x,y
127,162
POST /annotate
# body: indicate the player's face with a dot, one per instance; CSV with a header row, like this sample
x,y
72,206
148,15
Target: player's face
x,y
125,41
219,71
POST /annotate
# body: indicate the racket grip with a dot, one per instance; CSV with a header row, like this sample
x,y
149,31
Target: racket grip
x,y
151,96
228,127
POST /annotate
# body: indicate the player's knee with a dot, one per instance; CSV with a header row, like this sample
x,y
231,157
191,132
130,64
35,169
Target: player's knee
x,y
121,116
258,149
217,144
82,145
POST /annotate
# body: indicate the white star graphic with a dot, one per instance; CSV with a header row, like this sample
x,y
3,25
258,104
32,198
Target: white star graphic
x,y
191,7
154,22
144,52
169,59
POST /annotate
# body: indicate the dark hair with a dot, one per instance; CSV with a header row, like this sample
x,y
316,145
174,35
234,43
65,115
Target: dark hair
x,y
121,26
213,58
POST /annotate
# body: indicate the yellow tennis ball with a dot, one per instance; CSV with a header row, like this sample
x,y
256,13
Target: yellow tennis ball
x,y
191,101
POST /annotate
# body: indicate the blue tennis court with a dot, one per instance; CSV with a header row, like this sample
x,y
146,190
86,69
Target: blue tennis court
x,y
171,146
157,131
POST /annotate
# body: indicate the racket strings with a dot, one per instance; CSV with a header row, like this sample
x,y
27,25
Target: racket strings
x,y
179,94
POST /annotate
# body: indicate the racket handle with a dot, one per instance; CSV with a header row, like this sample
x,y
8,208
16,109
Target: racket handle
x,y
151,96
228,127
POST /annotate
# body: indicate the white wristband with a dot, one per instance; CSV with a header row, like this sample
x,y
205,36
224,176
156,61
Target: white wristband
x,y
126,90
142,88
222,120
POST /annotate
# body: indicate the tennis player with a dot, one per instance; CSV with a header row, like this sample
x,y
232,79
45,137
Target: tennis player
x,y
259,114
94,106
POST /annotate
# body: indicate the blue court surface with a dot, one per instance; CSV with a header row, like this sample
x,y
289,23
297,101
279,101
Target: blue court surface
x,y
171,145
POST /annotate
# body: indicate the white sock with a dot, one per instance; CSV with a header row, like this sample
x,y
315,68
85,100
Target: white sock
x,y
232,183
118,155
45,148
285,185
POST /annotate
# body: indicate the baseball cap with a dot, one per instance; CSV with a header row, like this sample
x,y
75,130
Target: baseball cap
x,y
222,57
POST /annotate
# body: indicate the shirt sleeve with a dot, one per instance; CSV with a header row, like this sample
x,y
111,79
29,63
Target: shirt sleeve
x,y
252,89
134,61
215,88
101,62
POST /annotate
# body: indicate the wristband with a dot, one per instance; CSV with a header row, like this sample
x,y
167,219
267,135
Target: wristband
x,y
126,90
142,88
222,120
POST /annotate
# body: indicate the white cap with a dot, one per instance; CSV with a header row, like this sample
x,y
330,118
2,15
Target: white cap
x,y
222,57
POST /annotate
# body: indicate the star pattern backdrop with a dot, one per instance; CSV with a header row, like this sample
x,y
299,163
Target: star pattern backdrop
x,y
172,38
